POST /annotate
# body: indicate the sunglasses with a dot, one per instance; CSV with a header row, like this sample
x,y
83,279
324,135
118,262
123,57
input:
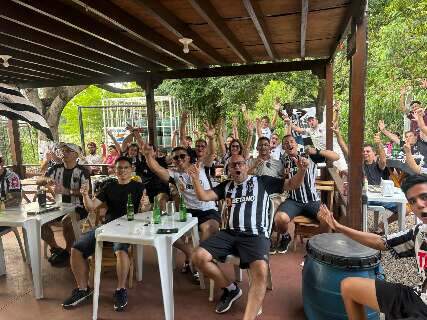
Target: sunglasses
x,y
237,163
235,146
179,156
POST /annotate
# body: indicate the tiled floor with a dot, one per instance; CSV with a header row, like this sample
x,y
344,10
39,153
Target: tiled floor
x,y
145,301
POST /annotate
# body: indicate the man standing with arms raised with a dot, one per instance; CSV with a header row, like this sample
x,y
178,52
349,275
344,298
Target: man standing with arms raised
x,y
245,232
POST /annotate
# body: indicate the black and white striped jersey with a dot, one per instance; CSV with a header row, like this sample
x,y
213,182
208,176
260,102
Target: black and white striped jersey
x,y
248,203
307,191
69,179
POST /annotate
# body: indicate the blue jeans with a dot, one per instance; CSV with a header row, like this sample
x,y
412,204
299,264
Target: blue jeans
x,y
392,206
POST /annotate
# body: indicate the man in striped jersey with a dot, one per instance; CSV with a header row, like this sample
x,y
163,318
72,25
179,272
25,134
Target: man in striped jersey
x,y
68,178
303,200
395,300
246,229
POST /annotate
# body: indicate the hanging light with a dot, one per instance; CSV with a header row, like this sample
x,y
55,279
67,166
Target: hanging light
x,y
186,42
5,60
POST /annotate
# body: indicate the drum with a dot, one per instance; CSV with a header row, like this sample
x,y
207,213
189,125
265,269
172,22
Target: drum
x,y
332,257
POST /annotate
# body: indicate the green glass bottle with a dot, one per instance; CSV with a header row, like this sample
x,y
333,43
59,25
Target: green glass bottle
x,y
182,209
130,213
395,150
156,212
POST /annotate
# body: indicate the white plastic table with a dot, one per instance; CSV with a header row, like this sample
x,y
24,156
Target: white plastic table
x,y
398,198
17,217
139,233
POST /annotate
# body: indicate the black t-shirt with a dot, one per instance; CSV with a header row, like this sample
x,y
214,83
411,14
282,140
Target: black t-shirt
x,y
374,173
148,176
115,195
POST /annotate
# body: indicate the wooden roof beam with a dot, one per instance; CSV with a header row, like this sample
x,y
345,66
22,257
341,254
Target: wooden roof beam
x,y
190,73
207,11
180,29
12,70
256,15
65,24
304,16
115,15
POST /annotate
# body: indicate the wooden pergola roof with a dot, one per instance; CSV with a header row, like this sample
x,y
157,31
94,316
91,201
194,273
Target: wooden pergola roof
x,y
69,42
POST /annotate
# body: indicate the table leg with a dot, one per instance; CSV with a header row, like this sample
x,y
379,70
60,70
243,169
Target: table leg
x,y
97,278
139,260
401,211
195,237
33,230
27,247
164,255
2,261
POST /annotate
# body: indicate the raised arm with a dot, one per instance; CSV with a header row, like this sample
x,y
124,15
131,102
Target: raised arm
x,y
248,144
410,161
381,153
89,203
210,134
154,166
182,129
340,140
116,144
201,194
419,116
368,239
327,154
235,129
175,138
221,137
138,138
387,133
402,106
127,140
298,178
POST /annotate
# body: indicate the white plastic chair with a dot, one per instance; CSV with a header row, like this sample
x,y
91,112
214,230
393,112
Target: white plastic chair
x,y
235,260
18,238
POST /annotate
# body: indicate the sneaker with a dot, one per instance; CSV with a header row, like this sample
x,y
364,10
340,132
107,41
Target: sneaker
x,y
284,243
120,299
77,297
186,268
273,249
60,258
227,299
196,277
53,253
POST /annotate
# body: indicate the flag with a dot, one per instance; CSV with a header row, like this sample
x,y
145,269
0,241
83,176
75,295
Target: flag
x,y
14,106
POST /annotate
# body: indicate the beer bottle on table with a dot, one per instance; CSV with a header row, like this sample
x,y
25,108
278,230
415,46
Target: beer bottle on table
x,y
156,212
182,209
130,213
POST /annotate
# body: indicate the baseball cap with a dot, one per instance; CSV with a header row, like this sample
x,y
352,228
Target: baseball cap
x,y
70,146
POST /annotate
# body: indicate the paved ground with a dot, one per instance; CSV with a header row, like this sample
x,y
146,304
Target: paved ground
x,y
145,301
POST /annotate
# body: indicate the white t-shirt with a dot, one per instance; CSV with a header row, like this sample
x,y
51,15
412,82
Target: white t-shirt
x,y
270,167
266,132
185,185
277,152
93,159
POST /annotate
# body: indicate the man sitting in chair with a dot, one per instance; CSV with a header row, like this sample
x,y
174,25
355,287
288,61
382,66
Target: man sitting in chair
x,y
304,200
10,187
114,195
246,229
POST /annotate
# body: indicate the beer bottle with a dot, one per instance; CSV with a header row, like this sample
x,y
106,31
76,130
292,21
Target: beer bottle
x,y
130,213
156,212
182,209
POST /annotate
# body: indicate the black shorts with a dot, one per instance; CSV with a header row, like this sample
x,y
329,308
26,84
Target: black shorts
x,y
398,301
294,208
86,244
203,216
248,247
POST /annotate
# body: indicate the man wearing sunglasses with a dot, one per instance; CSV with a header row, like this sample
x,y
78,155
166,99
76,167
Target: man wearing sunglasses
x,y
207,212
264,164
245,232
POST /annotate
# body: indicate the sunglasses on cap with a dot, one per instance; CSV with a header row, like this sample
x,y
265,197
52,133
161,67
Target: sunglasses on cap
x,y
179,156
237,163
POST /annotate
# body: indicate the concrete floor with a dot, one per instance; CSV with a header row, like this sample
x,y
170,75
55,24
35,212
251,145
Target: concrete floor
x,y
145,300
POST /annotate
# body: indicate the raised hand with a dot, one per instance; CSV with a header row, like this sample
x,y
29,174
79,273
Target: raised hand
x,y
407,147
110,132
210,130
243,108
381,125
302,163
234,121
277,105
337,106
335,128
184,115
250,126
310,150
84,190
326,216
194,170
175,132
148,151
130,128
423,83
403,90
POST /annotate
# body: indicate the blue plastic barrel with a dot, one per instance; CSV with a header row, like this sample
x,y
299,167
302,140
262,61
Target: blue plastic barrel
x,y
332,257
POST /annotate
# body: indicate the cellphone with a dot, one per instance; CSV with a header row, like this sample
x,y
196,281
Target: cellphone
x,y
167,230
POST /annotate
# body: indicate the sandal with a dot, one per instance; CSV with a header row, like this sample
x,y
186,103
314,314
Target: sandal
x,y
186,268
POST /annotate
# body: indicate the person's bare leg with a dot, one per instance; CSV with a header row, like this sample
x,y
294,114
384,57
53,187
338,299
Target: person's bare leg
x,y
358,293
281,221
259,271
80,268
202,260
122,268
208,229
68,232
48,236
180,244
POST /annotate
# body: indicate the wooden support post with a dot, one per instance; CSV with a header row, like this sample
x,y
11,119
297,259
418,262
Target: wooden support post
x,y
149,84
329,107
15,147
357,125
